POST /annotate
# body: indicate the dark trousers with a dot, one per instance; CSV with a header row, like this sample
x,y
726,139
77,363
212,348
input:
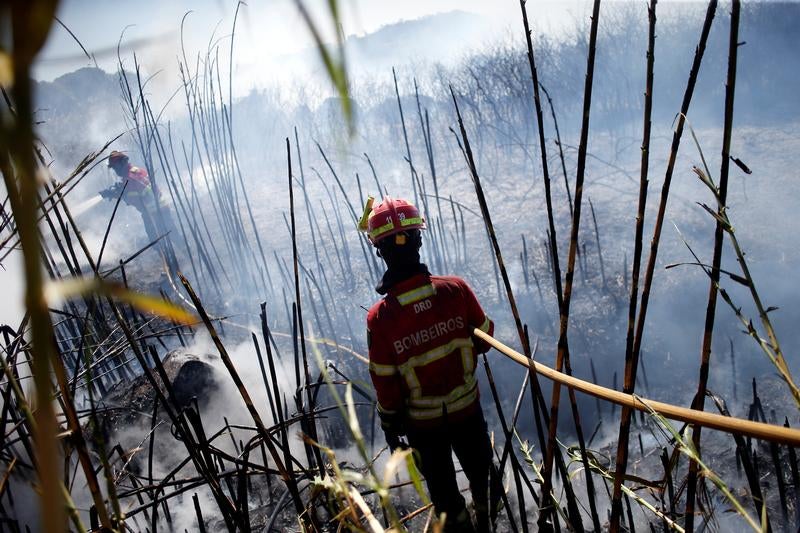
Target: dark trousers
x,y
157,223
469,439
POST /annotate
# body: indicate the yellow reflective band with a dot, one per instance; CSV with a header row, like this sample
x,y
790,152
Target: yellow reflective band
x,y
434,354
143,192
409,221
382,370
437,401
438,412
485,326
407,368
383,229
383,410
416,295
466,362
413,383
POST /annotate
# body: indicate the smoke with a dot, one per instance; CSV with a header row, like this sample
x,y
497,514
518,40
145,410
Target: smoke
x,y
493,87
500,121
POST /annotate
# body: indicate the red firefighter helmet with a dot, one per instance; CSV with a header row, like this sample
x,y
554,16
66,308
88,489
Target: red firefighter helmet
x,y
117,158
392,216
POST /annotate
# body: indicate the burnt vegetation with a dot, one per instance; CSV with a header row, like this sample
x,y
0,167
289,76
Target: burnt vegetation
x,y
214,378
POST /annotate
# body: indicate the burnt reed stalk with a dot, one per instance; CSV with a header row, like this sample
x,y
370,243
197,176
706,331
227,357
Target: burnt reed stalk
x,y
516,468
557,271
508,447
795,483
70,259
719,235
467,149
425,126
191,207
746,459
96,311
562,355
405,139
264,378
311,424
281,420
353,215
201,525
665,188
631,358
560,146
195,445
306,199
499,258
381,190
24,201
76,176
79,443
197,113
437,243
599,247
202,467
288,478
543,151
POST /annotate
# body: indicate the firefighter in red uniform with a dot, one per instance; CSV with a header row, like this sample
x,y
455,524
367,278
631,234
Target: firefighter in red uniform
x,y
139,193
422,363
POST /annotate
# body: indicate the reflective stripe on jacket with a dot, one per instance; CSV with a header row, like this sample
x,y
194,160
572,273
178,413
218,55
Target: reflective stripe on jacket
x,y
422,354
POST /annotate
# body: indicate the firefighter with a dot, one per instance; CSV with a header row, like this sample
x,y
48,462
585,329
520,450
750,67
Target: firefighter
x,y
139,193
422,363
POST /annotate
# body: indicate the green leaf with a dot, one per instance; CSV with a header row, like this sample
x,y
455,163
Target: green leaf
x,y
352,418
56,291
393,464
705,179
334,66
416,478
6,70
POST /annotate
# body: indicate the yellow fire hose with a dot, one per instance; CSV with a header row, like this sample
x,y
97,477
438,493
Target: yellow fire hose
x,y
728,424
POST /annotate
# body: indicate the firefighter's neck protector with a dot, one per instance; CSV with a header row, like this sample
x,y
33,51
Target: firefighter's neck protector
x,y
402,255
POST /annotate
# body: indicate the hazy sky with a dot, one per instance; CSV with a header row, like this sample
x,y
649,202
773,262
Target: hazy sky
x,y
266,29
275,24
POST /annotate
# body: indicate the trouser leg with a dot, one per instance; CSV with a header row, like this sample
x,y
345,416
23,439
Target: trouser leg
x,y
474,451
169,229
149,225
154,232
436,463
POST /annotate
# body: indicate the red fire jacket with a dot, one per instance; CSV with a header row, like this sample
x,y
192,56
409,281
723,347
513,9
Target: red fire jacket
x,y
138,180
421,350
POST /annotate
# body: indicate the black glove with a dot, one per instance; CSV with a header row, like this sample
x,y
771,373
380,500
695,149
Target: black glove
x,y
396,441
393,426
110,193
